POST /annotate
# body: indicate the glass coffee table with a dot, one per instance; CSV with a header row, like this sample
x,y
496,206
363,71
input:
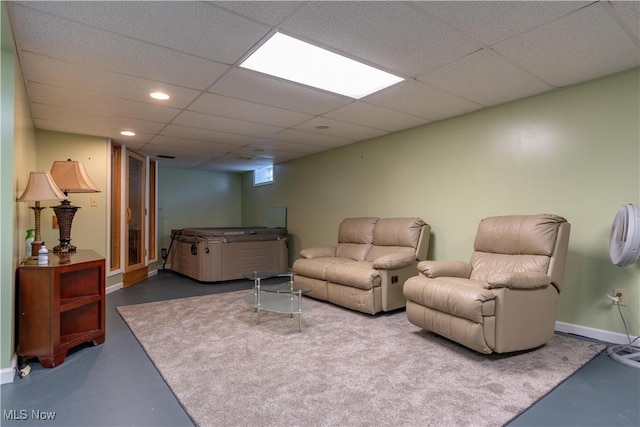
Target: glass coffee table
x,y
285,298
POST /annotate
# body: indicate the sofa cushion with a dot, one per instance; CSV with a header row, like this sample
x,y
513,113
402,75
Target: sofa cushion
x,y
354,251
356,274
357,230
398,232
393,235
316,268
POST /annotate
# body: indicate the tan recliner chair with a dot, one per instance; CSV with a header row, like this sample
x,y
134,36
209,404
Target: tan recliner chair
x,y
506,298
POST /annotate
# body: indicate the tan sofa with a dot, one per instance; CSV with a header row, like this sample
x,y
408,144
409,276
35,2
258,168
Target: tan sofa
x,y
366,269
505,299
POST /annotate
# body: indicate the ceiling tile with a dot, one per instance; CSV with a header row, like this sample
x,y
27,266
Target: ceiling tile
x,y
628,12
419,99
485,78
57,72
339,129
244,110
224,124
290,147
196,28
492,21
99,104
184,162
81,117
369,115
178,145
269,12
48,35
206,135
397,36
262,89
93,129
299,137
578,53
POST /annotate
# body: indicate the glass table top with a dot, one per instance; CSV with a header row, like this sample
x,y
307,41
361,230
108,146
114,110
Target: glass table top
x,y
266,274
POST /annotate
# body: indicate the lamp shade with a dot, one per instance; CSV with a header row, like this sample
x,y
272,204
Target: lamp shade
x,y
41,187
71,177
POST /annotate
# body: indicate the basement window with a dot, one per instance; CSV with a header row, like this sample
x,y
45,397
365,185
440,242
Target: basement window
x,y
263,176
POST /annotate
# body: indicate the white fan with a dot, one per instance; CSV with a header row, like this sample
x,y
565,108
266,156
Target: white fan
x,y
624,242
624,250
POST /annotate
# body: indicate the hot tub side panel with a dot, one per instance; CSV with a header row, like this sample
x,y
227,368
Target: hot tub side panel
x,y
211,257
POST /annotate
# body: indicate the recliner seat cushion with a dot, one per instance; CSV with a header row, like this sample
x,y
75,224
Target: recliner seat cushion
x,y
357,274
317,267
456,296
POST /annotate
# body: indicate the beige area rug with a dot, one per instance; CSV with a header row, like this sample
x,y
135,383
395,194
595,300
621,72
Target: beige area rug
x,y
343,369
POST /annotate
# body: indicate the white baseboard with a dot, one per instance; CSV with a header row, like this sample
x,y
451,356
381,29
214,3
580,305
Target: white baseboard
x,y
593,333
113,288
7,375
120,285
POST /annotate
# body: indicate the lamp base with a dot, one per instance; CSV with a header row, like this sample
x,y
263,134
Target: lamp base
x,y
64,247
65,212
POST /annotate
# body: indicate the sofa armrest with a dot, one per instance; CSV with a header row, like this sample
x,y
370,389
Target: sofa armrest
x,y
394,261
319,252
433,269
518,280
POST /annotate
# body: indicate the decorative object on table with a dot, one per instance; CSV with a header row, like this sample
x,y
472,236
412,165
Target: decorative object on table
x,y
28,240
71,177
624,250
43,255
40,187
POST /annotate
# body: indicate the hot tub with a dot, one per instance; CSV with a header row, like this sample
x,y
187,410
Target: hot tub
x,y
215,254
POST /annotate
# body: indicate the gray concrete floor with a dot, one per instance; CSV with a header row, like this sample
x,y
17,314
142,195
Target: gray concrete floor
x,y
115,384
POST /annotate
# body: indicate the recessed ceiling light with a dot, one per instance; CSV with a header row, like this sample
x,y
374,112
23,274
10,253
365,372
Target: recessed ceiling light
x,y
127,133
292,59
159,95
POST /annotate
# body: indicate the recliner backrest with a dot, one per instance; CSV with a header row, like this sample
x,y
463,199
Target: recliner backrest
x,y
355,236
521,243
397,235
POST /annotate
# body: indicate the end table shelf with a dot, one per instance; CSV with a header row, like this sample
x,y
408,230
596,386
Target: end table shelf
x,y
60,305
283,298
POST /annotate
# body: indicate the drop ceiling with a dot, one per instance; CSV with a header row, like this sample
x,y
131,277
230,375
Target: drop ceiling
x,y
89,68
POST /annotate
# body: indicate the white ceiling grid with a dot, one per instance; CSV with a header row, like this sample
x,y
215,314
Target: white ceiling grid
x,y
89,68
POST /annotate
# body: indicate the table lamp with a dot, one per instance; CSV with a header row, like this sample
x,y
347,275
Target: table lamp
x,y
39,188
71,177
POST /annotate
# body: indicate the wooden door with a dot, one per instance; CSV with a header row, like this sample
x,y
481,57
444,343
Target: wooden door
x,y
135,250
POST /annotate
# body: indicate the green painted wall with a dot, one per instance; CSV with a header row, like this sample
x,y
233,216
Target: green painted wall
x,y
17,159
193,198
7,256
574,152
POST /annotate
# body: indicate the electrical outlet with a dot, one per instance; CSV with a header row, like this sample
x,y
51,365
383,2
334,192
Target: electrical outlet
x,y
622,296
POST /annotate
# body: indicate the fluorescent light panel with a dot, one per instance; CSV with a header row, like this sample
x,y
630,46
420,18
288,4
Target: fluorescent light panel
x,y
291,59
